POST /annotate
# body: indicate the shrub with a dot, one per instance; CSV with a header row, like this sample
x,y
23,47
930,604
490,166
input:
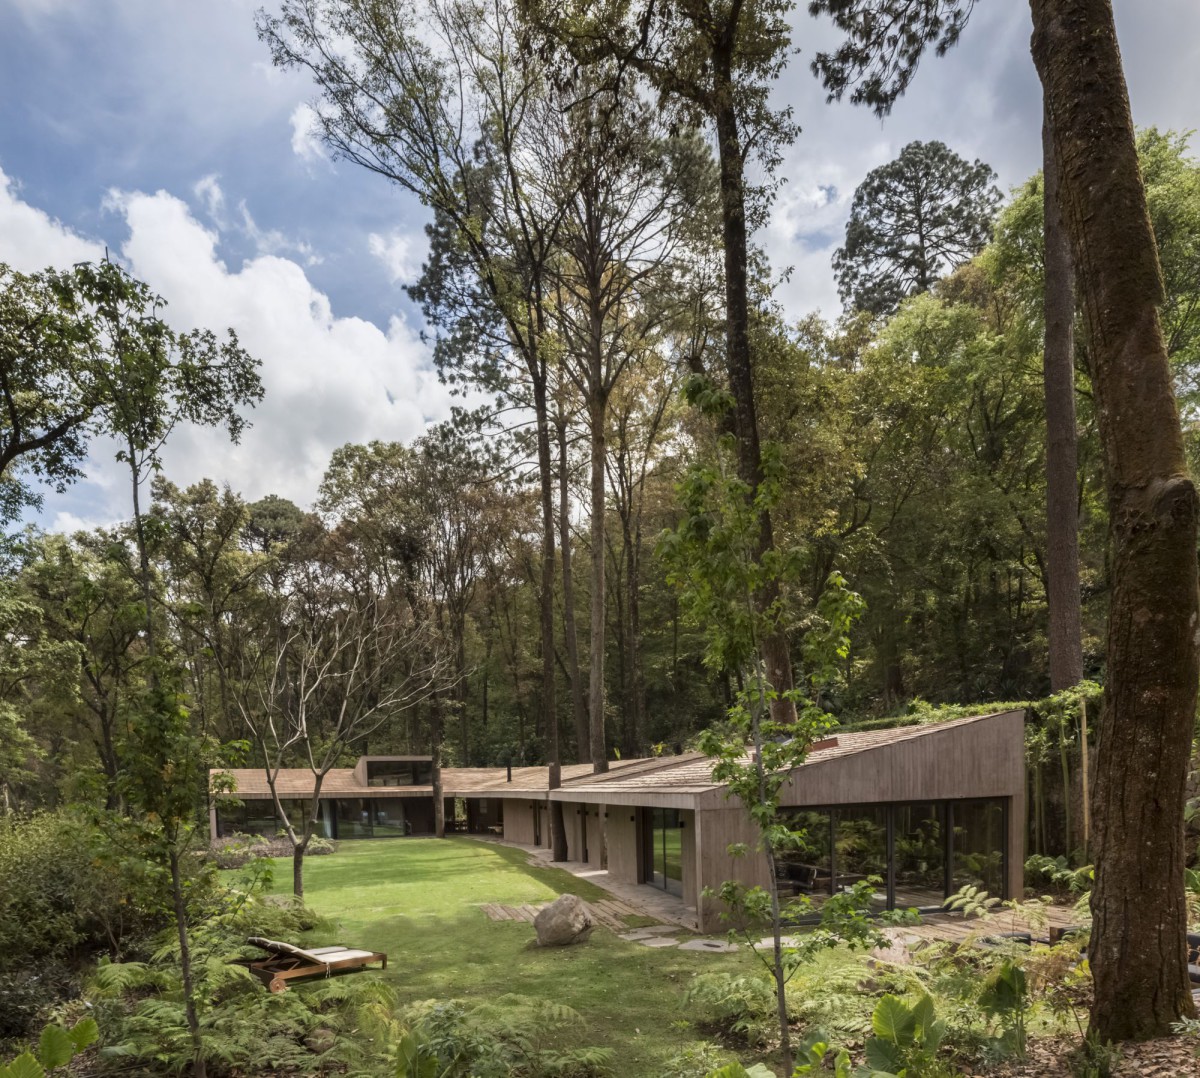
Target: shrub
x,y
65,895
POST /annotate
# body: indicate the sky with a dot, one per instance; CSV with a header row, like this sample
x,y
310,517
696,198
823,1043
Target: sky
x,y
158,129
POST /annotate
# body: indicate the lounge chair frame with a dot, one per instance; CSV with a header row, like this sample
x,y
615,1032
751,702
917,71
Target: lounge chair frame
x,y
288,962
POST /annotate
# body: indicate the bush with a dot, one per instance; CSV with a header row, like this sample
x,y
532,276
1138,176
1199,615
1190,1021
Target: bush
x,y
64,898
239,850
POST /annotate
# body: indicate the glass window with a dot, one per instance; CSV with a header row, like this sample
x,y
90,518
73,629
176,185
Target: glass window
x,y
860,849
399,772
353,817
806,869
387,817
919,835
979,839
666,850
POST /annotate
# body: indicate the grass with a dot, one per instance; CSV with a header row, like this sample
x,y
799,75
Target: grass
x,y
418,900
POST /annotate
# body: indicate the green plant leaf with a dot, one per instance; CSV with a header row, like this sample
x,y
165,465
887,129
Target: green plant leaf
x,y
83,1033
893,1021
56,1047
883,1056
25,1066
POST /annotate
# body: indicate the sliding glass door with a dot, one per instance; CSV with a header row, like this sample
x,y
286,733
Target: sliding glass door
x,y
664,849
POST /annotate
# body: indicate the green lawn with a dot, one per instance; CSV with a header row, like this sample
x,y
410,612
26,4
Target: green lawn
x,y
418,900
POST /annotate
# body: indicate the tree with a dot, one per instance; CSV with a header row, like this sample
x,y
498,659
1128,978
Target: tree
x,y
711,63
612,278
924,213
455,116
1139,962
154,379
51,382
352,656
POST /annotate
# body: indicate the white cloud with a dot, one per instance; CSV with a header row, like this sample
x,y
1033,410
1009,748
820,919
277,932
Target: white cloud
x,y
397,251
306,142
209,192
34,240
327,378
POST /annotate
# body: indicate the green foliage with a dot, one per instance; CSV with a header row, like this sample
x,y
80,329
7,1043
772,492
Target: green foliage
x,y
56,1048
509,1035
971,901
1041,870
739,1006
67,892
912,220
243,1027
1005,996
737,1070
906,1040
813,1055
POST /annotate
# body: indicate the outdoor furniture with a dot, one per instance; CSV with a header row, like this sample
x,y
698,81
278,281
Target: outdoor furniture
x,y
1193,946
288,962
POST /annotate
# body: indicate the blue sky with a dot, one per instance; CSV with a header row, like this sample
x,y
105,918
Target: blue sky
x,y
159,128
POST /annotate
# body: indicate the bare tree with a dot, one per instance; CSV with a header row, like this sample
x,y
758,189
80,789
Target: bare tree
x,y
348,662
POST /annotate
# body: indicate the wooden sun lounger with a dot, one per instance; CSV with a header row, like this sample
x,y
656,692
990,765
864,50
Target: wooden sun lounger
x,y
288,962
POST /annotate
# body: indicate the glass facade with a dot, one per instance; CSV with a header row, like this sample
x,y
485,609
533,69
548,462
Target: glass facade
x,y
346,817
399,772
917,853
664,853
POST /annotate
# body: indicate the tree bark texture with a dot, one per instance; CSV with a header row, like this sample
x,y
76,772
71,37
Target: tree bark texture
x,y
558,838
1137,950
598,413
774,647
1062,499
199,1066
583,745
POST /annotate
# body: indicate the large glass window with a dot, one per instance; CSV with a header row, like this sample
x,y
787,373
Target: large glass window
x,y
399,772
387,817
353,817
665,860
919,835
807,868
920,852
979,840
860,849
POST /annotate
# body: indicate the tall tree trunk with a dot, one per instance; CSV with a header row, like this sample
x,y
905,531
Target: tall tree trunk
x,y
199,1066
558,837
1137,950
583,744
1062,495
437,734
597,414
775,652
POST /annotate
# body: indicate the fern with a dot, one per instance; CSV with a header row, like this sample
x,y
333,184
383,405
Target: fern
x,y
971,901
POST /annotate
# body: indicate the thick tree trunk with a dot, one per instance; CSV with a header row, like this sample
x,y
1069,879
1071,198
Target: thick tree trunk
x,y
1062,499
597,415
1137,950
775,652
583,745
558,838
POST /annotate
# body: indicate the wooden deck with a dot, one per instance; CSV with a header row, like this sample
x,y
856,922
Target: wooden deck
x,y
609,912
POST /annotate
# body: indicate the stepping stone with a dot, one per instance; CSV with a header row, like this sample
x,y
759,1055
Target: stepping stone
x,y
768,942
715,946
659,941
649,930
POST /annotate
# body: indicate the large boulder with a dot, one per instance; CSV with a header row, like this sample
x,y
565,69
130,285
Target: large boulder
x,y
566,920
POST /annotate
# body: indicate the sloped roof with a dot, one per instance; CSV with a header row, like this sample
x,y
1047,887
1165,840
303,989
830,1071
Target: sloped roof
x,y
687,775
691,773
456,782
